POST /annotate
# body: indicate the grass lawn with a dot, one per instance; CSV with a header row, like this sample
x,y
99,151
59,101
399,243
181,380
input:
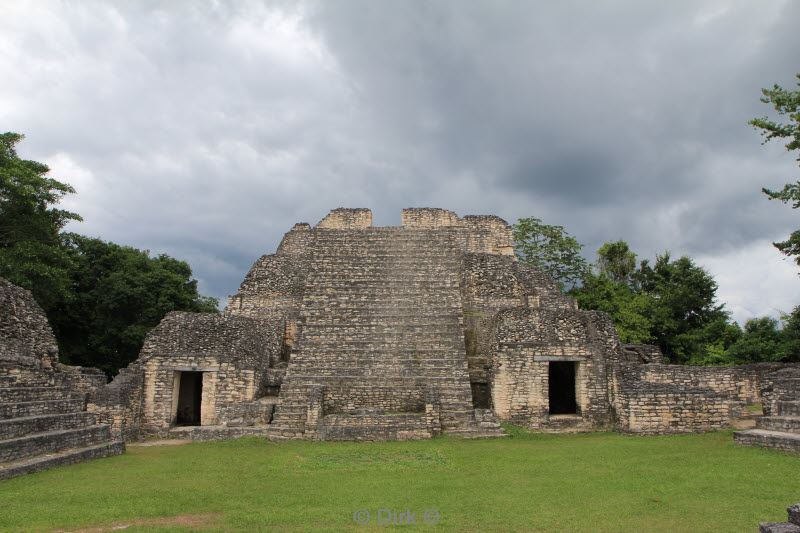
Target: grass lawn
x,y
528,482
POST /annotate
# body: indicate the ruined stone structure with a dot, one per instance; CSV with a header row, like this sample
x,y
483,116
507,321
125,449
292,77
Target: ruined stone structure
x,y
356,332
351,331
779,428
43,418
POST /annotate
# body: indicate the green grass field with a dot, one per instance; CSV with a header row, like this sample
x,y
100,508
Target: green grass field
x,y
528,482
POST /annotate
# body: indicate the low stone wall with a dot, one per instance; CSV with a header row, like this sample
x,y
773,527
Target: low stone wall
x,y
658,398
119,403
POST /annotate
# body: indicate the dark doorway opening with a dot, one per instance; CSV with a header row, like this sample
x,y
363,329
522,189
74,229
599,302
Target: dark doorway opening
x,y
481,395
190,397
561,376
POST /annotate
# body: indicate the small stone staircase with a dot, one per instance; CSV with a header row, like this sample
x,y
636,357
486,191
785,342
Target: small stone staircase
x,y
780,431
486,425
43,425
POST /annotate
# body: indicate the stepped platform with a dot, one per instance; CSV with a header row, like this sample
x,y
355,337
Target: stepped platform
x,y
380,333
780,431
42,427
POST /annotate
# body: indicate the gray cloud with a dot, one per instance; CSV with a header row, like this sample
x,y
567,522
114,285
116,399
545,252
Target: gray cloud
x,y
206,131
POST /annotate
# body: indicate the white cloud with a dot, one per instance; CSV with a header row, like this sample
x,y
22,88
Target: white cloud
x,y
755,280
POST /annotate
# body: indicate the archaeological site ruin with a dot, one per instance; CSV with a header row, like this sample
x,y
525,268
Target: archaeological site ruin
x,y
355,332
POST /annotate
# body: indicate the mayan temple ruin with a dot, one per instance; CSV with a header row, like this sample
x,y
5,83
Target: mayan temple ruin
x,y
355,332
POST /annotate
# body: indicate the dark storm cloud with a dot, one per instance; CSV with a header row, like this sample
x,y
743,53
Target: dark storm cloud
x,y
206,130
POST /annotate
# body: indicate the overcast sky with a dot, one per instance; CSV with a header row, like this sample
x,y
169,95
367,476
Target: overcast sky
x,y
206,129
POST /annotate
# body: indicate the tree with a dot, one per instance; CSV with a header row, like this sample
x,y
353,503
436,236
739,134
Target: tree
x,y
120,294
31,249
786,103
551,249
671,304
761,341
628,309
616,261
100,298
686,306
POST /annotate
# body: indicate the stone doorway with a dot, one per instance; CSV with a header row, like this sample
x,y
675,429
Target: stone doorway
x,y
561,376
190,397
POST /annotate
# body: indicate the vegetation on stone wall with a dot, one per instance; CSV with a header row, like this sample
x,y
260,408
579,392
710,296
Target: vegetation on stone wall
x,y
101,298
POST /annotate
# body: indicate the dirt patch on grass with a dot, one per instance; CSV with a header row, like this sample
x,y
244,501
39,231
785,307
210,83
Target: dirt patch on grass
x,y
197,522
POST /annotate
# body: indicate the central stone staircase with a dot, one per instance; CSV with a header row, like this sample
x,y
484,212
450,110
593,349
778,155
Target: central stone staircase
x,y
381,338
43,425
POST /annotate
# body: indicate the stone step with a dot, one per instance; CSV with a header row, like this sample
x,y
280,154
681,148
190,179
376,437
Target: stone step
x,y
41,407
7,380
789,408
375,427
208,433
787,424
52,442
32,394
477,433
18,427
788,442
65,457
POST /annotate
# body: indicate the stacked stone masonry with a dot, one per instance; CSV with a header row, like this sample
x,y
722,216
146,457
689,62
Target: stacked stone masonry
x,y
355,332
408,332
43,417
779,428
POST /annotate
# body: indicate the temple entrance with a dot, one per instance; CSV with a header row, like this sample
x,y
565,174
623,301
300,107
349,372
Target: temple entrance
x,y
190,397
562,388
481,395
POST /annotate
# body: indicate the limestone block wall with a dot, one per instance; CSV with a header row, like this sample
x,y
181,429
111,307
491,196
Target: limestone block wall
x,y
27,344
777,382
658,398
235,354
351,398
295,242
527,340
381,322
273,286
488,234
119,404
343,218
428,218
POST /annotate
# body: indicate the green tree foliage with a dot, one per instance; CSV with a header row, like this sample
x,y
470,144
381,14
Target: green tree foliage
x,y
685,307
31,248
551,249
616,261
761,341
120,294
100,298
787,104
629,309
671,303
